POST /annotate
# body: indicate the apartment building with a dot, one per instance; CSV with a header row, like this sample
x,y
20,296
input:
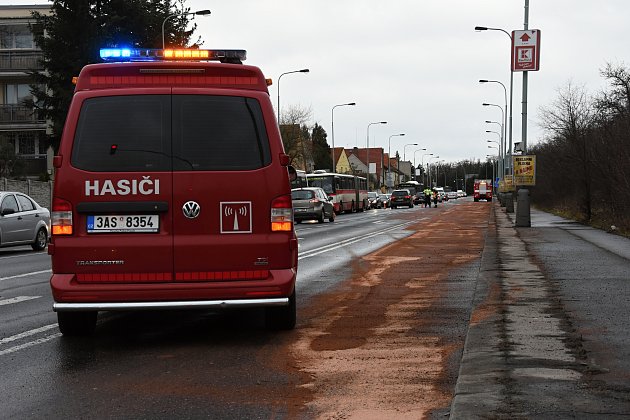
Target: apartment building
x,y
21,126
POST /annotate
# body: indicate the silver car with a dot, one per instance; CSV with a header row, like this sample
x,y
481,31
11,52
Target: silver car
x,y
312,203
23,221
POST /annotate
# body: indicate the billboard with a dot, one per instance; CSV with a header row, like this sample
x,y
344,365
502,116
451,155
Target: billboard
x,y
524,169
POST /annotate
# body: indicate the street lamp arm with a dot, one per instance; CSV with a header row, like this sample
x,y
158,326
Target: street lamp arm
x,y
198,12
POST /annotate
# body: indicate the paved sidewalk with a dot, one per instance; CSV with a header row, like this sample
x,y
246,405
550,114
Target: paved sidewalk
x,y
523,357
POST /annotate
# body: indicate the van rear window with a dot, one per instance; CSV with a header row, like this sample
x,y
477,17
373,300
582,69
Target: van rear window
x,y
134,133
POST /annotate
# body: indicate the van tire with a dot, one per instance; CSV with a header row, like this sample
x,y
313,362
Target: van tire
x,y
282,317
41,239
77,323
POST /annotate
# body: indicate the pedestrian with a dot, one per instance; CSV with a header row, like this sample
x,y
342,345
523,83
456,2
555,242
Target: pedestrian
x,y
427,197
435,198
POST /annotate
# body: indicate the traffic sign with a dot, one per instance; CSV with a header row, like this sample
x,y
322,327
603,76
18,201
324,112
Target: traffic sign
x,y
526,50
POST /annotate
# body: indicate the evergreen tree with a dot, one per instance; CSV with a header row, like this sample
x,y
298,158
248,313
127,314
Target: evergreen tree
x,y
70,38
321,149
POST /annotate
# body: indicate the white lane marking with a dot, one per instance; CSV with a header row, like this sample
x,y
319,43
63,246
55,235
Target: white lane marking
x,y
17,299
347,242
29,344
25,275
28,333
23,255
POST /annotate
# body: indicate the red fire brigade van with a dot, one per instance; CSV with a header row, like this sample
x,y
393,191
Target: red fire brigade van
x,y
482,190
172,191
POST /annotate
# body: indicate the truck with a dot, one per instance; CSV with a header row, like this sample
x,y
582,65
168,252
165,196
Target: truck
x,y
482,190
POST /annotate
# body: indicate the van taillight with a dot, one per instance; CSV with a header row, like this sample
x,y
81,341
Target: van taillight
x,y
61,218
281,214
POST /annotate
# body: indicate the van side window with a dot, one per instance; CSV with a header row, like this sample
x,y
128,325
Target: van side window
x,y
218,133
138,125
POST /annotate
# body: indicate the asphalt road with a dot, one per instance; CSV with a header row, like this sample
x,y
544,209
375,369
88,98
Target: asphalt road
x,y
408,313
46,375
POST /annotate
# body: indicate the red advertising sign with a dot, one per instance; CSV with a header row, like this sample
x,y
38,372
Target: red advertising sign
x,y
526,50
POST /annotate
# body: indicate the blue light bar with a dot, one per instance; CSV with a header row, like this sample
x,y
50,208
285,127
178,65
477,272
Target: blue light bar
x,y
179,54
109,53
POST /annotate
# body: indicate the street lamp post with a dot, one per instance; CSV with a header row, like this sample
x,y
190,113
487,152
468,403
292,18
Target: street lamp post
x,y
426,173
500,160
504,124
368,148
389,155
405,152
428,163
198,12
280,77
502,118
485,28
332,132
414,162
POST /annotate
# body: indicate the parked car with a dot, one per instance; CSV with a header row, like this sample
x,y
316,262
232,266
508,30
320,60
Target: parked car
x,y
23,221
461,193
452,195
384,200
312,203
401,198
375,201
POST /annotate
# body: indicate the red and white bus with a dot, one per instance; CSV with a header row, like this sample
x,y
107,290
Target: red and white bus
x,y
349,192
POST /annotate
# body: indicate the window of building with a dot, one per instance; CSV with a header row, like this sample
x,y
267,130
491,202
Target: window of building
x,y
16,94
16,36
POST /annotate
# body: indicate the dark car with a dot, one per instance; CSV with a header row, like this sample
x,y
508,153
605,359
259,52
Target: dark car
x,y
375,200
384,199
418,198
311,203
401,198
23,221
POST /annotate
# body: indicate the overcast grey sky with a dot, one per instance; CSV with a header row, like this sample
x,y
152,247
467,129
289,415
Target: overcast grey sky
x,y
416,63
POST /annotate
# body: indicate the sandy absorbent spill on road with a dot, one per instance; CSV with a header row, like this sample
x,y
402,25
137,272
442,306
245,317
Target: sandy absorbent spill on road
x,y
383,345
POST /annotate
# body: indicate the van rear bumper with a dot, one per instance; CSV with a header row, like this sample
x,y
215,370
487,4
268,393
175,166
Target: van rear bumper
x,y
148,306
70,295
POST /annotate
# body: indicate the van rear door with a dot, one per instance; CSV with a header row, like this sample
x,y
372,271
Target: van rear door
x,y
223,185
118,181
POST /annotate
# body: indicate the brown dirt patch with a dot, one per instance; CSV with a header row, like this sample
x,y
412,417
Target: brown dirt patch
x,y
378,346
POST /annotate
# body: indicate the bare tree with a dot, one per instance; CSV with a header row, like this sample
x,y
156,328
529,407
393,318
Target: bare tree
x,y
296,136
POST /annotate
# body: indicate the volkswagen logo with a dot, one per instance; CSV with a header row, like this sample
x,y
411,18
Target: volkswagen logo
x,y
191,209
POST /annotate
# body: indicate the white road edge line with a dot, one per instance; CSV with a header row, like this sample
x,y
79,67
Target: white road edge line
x,y
17,299
25,275
23,255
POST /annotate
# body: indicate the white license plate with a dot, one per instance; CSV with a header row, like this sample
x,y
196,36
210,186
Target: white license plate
x,y
300,210
128,223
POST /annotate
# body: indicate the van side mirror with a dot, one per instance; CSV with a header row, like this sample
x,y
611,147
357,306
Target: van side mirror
x,y
292,173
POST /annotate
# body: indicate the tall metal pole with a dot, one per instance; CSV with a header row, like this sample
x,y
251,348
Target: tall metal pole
x,y
280,77
389,155
368,148
332,132
525,77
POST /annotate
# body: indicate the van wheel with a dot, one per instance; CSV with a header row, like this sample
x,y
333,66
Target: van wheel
x,y
282,317
41,239
76,323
